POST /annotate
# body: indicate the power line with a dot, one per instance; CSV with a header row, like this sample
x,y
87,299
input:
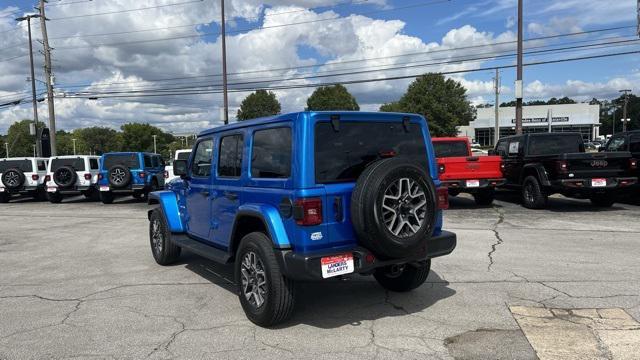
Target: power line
x,y
63,3
127,10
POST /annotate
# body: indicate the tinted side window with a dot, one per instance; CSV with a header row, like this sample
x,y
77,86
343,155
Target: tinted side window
x,y
93,163
156,162
271,154
634,143
450,148
42,166
24,165
555,144
617,143
128,160
501,148
201,165
147,161
77,164
230,161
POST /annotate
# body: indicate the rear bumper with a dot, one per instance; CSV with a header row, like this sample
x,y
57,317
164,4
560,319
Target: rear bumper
x,y
125,190
461,185
307,266
586,185
21,190
70,190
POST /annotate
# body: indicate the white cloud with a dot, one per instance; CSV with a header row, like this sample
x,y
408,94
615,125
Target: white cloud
x,y
579,90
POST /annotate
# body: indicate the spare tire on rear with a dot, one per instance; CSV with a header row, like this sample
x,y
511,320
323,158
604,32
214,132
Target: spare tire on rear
x,y
65,176
393,208
119,176
13,178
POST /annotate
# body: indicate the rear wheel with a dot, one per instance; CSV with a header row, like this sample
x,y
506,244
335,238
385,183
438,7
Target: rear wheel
x,y
603,200
164,251
533,196
4,198
54,198
403,278
107,197
266,296
484,197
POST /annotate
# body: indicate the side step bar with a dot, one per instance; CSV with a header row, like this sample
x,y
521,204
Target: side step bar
x,y
199,248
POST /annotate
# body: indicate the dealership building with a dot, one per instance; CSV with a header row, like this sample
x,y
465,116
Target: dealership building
x,y
580,118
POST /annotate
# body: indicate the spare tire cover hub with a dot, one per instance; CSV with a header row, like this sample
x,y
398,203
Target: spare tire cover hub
x,y
404,207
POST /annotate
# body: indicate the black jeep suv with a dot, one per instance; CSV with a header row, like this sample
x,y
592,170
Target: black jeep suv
x,y
548,163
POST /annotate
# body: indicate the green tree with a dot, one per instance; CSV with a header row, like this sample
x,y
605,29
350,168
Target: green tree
x,y
3,152
20,141
139,137
336,97
442,101
259,104
391,107
96,140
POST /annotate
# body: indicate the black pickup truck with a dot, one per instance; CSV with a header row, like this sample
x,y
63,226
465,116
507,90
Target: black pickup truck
x,y
627,141
542,164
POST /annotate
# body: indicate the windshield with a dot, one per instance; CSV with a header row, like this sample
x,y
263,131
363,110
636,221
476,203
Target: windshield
x,y
343,155
128,160
23,165
450,148
555,144
77,164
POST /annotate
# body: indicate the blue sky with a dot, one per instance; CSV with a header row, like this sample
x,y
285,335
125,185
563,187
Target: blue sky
x,y
355,30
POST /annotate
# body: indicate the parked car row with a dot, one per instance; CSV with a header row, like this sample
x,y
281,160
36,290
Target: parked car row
x,y
541,164
96,177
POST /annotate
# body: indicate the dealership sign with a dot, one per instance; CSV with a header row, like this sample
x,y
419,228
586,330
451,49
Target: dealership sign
x,y
540,120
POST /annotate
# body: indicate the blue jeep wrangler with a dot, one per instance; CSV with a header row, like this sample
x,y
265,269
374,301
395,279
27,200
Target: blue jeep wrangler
x,y
307,196
130,173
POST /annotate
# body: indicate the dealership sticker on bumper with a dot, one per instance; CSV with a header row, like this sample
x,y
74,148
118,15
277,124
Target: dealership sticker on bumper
x,y
473,183
104,188
337,265
1,189
598,182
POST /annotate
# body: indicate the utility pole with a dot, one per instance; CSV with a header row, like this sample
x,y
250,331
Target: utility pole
x,y
519,87
624,109
48,74
74,146
33,82
496,135
224,64
6,148
155,147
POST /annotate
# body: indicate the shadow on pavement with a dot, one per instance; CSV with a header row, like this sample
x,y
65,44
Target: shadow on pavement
x,y
558,203
336,302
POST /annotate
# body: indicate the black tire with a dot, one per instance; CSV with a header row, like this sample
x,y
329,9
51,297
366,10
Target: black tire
x,y
372,223
454,192
107,197
119,176
484,197
603,200
164,251
65,176
4,198
40,195
533,196
407,279
92,194
138,195
55,198
13,178
279,292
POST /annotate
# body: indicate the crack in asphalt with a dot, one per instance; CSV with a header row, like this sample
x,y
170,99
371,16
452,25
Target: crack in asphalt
x,y
496,233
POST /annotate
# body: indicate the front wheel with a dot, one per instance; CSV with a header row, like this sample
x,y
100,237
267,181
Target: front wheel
x,y
603,200
107,197
164,251
533,196
266,296
403,278
484,197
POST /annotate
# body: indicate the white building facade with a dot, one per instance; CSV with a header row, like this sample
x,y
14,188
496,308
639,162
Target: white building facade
x,y
580,118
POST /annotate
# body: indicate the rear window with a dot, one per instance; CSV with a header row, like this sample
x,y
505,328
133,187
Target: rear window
x,y
128,160
24,165
450,148
555,144
343,155
76,164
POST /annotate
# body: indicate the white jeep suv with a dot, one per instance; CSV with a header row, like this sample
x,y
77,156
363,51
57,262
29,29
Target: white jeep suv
x,y
72,175
22,176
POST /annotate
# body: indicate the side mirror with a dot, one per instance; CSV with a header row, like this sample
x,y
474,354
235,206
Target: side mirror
x,y
492,152
180,168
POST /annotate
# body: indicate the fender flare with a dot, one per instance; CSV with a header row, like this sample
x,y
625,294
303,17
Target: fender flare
x,y
540,171
271,219
168,202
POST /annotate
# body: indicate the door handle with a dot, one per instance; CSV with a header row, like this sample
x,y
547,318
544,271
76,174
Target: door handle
x,y
231,195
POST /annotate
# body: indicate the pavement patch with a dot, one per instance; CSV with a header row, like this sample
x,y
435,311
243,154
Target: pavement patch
x,y
579,333
490,344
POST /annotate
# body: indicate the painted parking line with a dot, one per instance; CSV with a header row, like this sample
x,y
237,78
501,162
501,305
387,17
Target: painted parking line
x,y
579,333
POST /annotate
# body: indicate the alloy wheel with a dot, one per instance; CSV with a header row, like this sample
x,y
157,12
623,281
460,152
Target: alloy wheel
x,y
117,176
254,279
157,237
12,179
404,207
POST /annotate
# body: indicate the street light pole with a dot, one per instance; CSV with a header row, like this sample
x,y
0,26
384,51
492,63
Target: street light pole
x,y
33,83
74,146
6,147
155,147
224,64
624,109
48,72
519,87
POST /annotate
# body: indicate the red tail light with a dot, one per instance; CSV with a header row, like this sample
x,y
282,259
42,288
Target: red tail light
x,y
166,174
142,175
35,177
443,198
47,178
308,212
87,176
633,164
441,169
100,176
563,166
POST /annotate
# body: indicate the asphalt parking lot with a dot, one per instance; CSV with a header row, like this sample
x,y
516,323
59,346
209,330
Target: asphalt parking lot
x,y
77,280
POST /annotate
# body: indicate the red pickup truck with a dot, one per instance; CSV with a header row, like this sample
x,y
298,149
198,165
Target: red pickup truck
x,y
461,171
